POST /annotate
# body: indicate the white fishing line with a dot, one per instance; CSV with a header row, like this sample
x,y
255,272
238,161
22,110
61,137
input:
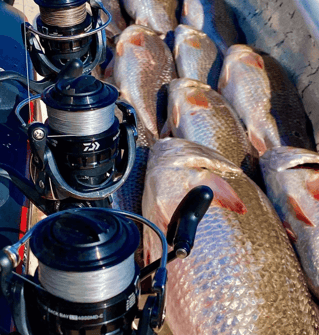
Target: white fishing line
x,y
88,287
81,123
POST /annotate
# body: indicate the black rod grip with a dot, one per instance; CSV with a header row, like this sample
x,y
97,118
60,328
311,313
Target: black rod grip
x,y
183,225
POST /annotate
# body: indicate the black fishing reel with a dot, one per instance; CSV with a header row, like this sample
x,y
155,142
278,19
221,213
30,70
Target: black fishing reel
x,y
87,281
67,31
82,154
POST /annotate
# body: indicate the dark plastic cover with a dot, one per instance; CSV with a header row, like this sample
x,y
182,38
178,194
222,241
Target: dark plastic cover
x,y
82,93
85,239
59,3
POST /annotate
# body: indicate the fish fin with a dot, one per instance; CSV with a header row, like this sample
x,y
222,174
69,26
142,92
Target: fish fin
x,y
185,9
194,42
141,22
176,52
166,131
223,79
291,234
258,142
137,39
120,49
300,214
198,99
224,194
313,188
176,116
253,59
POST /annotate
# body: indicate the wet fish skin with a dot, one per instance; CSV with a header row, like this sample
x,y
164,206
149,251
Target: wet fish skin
x,y
214,18
143,69
242,276
196,55
159,15
268,103
292,181
199,114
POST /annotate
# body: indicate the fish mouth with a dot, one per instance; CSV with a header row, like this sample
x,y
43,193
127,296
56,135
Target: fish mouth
x,y
309,166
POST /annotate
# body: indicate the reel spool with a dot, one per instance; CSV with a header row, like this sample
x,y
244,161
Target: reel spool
x,y
86,266
82,152
67,31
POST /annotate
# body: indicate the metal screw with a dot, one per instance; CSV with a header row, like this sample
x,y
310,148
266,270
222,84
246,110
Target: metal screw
x,y
181,253
41,184
38,134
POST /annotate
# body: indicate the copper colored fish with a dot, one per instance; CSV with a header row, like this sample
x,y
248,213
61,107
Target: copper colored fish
x,y
265,99
242,276
196,55
292,180
159,15
199,114
143,69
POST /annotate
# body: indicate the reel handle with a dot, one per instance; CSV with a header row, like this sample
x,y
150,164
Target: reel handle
x,y
182,228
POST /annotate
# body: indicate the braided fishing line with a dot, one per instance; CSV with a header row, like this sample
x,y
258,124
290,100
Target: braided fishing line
x,y
88,287
81,123
63,17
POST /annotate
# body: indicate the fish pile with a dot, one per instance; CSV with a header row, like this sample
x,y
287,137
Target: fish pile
x,y
214,111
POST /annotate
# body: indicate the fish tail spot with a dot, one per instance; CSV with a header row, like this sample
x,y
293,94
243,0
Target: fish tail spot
x,y
293,237
198,99
120,49
185,9
253,59
300,214
138,40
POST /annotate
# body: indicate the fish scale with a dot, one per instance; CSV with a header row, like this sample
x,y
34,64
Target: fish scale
x,y
242,276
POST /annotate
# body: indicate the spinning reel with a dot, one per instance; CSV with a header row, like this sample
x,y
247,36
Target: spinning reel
x,y
67,31
87,281
82,154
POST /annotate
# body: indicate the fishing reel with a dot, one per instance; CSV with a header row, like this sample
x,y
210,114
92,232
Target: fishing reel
x,y
82,154
67,31
87,281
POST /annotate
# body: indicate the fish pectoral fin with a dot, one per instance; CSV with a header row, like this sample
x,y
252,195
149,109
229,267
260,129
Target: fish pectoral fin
x,y
141,21
185,9
313,187
176,52
199,99
224,194
300,214
194,42
253,59
176,115
224,78
257,141
120,49
137,39
293,237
